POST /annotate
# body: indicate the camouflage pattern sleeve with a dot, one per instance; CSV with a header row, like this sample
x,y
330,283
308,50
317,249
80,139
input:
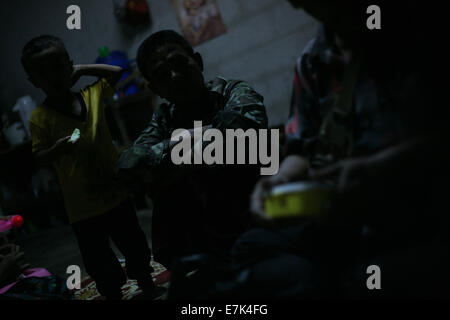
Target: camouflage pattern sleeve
x,y
243,109
151,147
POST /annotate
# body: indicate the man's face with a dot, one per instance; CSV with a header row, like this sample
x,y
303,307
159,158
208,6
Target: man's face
x,y
51,70
175,75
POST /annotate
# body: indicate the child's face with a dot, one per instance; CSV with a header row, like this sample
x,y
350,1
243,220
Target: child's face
x,y
51,70
175,75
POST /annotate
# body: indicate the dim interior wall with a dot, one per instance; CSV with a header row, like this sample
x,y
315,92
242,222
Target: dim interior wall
x,y
22,20
262,42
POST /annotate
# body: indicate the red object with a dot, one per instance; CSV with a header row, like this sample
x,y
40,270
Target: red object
x,y
14,221
137,12
17,221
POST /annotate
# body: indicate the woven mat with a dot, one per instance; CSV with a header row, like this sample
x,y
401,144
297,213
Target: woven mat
x,y
130,290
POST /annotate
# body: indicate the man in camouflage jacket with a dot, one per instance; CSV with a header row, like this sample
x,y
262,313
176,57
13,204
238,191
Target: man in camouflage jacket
x,y
196,207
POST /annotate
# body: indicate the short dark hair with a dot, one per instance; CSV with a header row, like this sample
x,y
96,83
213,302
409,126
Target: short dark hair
x,y
158,40
39,44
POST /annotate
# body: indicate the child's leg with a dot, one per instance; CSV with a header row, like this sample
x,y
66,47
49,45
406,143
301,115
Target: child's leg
x,y
99,260
132,242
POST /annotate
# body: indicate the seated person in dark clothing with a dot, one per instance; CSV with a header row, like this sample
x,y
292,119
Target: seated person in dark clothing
x,y
369,127
364,118
196,207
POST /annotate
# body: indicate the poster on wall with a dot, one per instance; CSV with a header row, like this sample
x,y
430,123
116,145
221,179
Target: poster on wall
x,y
200,20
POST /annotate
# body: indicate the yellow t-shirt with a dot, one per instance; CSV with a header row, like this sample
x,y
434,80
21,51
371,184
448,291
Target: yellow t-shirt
x,y
86,172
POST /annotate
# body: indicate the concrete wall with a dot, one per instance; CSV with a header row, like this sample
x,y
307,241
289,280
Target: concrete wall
x,y
22,20
263,40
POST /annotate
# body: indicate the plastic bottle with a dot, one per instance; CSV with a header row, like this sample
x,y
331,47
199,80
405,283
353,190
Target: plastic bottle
x,y
14,221
25,106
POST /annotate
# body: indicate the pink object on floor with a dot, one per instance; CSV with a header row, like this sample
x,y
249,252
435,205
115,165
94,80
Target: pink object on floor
x,y
14,221
35,272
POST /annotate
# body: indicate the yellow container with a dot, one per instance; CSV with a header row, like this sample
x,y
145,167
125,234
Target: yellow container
x,y
306,199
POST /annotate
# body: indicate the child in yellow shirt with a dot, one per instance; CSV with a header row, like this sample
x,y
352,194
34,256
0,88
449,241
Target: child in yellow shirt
x,y
97,207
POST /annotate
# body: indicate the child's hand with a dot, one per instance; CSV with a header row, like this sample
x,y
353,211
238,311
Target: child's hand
x,y
9,248
12,263
52,154
62,145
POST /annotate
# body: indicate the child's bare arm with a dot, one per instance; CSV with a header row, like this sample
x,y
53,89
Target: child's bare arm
x,y
112,74
50,155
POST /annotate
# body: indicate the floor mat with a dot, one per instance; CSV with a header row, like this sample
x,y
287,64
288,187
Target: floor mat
x,y
130,290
